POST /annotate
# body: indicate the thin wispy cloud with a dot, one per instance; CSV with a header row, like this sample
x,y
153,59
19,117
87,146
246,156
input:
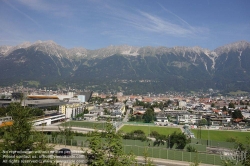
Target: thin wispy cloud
x,y
48,7
195,30
27,16
157,24
148,22
182,20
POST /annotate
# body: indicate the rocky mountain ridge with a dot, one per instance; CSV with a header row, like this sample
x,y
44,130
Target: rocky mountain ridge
x,y
177,67
48,46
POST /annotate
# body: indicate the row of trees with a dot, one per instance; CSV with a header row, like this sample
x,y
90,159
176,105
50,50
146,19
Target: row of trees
x,y
136,135
160,105
235,113
33,111
232,105
148,117
178,139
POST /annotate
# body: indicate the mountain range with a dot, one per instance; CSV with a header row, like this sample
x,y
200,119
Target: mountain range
x,y
127,68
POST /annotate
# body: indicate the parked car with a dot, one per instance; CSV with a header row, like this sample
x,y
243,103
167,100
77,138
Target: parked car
x,y
64,152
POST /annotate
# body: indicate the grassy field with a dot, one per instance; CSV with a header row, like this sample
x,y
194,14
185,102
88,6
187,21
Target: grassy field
x,y
97,125
149,129
216,135
238,92
219,135
35,83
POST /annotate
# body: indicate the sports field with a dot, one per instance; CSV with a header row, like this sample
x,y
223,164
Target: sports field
x,y
84,124
219,135
148,129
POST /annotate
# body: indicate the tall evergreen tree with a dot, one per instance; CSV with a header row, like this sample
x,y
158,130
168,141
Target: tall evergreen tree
x,y
148,115
20,137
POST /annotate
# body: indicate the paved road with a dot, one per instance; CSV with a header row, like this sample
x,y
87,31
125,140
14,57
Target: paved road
x,y
126,116
56,128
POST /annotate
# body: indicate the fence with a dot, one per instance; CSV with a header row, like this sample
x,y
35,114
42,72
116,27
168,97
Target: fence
x,y
97,125
138,148
138,123
156,152
212,143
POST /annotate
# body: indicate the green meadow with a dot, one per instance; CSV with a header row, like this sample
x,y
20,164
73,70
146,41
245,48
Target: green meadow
x,y
83,124
216,135
219,135
238,92
148,129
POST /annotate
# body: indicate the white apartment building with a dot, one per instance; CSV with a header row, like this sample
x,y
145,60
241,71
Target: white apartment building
x,y
182,104
71,110
188,118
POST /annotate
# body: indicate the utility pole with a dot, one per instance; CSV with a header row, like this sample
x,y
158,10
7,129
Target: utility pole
x,y
208,123
169,141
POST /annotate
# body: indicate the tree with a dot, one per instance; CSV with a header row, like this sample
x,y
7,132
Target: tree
x,y
37,112
154,134
228,163
231,105
85,111
147,161
3,111
242,152
136,135
244,148
148,115
138,118
97,155
108,152
114,99
224,109
66,132
196,161
203,122
78,116
161,105
125,101
106,111
54,135
20,136
212,105
191,149
236,114
179,139
160,140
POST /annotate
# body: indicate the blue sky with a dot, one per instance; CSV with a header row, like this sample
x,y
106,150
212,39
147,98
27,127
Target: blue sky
x,y
94,24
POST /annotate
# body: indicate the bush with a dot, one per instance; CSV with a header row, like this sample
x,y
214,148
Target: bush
x,y
136,135
179,139
191,149
154,134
